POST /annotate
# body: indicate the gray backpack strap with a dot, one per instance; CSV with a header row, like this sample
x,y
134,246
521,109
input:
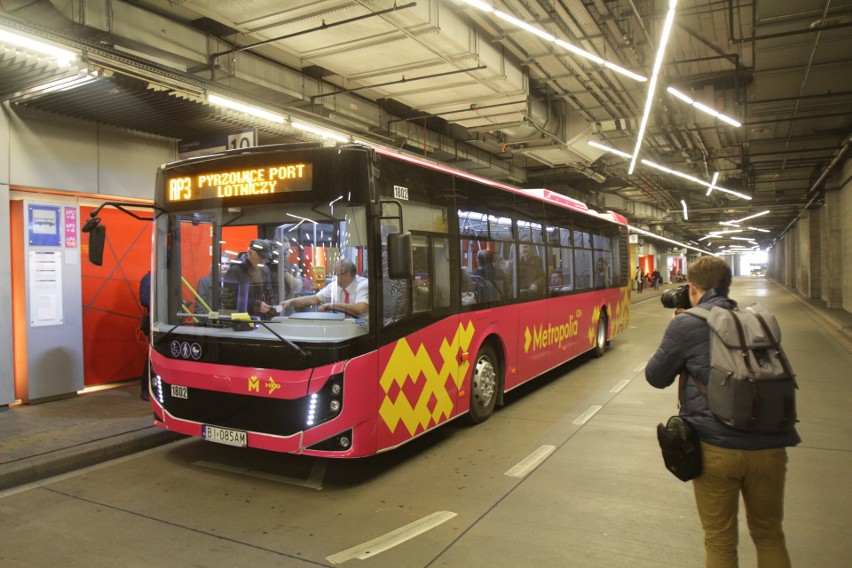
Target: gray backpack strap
x,y
699,312
702,313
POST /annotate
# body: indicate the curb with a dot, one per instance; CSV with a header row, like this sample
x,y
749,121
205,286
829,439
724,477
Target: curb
x,y
37,468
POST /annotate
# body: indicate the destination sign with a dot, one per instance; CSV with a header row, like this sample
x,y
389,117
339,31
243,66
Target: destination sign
x,y
247,182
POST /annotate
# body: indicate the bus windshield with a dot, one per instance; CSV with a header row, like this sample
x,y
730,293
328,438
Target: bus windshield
x,y
224,272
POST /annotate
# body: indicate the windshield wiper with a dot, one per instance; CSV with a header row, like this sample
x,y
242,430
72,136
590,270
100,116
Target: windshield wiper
x,y
214,316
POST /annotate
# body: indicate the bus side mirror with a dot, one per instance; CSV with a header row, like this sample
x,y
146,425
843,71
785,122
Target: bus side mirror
x,y
97,238
400,259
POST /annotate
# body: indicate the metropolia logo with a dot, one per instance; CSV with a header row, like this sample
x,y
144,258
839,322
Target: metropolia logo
x,y
543,336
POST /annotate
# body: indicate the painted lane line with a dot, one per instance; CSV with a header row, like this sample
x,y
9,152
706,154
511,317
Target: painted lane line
x,y
391,539
317,474
587,415
640,367
620,386
309,483
530,462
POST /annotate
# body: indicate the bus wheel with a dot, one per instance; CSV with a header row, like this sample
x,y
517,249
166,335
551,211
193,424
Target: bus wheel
x,y
600,337
484,385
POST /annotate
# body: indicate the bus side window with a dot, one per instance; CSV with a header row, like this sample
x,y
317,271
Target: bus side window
x,y
441,271
421,290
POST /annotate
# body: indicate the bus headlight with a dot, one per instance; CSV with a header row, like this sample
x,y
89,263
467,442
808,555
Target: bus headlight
x,y
326,403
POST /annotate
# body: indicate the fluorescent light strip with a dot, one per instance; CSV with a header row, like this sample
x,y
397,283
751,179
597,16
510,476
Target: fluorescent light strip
x,y
625,72
600,146
481,5
753,216
549,37
717,234
713,183
64,84
656,236
319,131
694,179
579,51
702,107
760,230
248,109
63,56
652,86
524,26
685,214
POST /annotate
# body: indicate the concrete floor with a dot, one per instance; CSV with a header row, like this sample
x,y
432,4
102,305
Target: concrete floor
x,y
599,498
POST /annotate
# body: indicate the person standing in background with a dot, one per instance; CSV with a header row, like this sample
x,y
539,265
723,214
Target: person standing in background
x,y
205,285
250,269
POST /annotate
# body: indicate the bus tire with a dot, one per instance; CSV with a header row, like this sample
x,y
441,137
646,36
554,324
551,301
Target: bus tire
x,y
600,337
484,384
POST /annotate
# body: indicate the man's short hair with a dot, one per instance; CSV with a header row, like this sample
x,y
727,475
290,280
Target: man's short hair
x,y
709,272
262,247
346,266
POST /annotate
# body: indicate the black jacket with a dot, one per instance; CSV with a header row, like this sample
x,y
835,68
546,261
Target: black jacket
x,y
258,279
686,344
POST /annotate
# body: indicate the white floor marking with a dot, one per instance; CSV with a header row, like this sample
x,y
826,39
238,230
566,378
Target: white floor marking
x,y
391,539
530,462
620,385
314,480
640,367
587,415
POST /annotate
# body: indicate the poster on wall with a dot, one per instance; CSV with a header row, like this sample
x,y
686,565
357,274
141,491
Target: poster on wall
x,y
45,287
44,225
70,223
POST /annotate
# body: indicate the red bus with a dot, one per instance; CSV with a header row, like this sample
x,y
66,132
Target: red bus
x,y
471,287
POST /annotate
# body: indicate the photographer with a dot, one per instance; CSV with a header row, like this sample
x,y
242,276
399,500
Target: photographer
x,y
735,461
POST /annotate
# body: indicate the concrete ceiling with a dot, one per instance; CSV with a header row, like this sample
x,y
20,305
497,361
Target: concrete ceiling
x,y
463,85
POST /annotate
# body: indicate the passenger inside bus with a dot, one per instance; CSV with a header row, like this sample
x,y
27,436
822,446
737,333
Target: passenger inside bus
x,y
291,283
603,278
556,281
205,286
486,278
249,270
468,291
347,292
530,271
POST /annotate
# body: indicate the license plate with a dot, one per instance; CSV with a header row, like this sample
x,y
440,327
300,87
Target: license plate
x,y
224,436
180,392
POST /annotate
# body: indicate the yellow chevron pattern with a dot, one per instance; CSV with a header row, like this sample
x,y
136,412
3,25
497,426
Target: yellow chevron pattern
x,y
405,364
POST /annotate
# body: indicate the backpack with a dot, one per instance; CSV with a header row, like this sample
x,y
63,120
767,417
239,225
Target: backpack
x,y
484,290
751,386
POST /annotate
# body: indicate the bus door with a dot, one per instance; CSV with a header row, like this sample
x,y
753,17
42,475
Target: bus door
x,y
420,377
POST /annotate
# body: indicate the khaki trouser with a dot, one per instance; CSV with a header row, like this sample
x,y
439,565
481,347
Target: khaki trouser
x,y
759,475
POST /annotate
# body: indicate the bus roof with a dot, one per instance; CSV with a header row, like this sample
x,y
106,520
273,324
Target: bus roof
x,y
541,194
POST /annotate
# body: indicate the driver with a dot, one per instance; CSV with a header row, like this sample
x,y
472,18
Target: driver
x,y
347,292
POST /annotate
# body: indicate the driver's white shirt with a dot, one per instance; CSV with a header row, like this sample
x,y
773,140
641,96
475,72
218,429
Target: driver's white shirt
x,y
358,292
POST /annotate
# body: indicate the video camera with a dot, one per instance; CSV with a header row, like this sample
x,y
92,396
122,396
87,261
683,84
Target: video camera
x,y
676,297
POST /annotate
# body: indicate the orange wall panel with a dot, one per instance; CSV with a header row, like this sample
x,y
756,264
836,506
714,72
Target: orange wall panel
x,y
113,348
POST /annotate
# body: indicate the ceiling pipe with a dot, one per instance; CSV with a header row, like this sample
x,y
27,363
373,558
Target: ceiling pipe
x,y
398,82
805,82
754,38
814,187
319,28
